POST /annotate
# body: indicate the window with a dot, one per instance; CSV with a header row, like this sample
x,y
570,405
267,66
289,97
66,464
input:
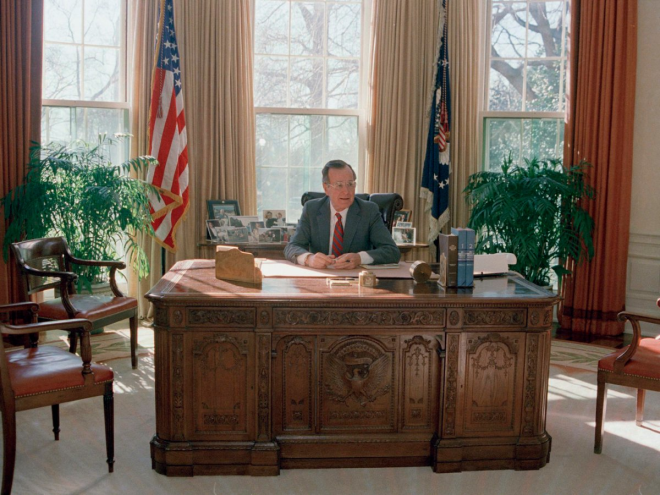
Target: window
x,y
307,95
526,80
84,70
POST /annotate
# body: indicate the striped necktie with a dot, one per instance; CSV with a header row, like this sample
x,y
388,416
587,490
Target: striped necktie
x,y
338,237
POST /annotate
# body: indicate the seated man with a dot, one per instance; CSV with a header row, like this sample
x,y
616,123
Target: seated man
x,y
339,230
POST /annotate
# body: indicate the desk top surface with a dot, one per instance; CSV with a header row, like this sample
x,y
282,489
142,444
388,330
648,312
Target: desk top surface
x,y
195,279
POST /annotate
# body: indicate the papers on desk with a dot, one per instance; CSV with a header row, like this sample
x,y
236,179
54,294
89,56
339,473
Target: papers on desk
x,y
286,269
387,266
493,264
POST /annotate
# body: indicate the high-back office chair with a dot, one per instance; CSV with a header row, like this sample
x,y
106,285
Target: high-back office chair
x,y
637,366
46,264
388,203
48,376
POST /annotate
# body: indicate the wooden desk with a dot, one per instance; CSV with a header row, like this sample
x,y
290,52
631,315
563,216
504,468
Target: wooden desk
x,y
274,251
295,374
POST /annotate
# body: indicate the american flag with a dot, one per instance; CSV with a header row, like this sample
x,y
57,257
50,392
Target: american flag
x,y
435,177
167,135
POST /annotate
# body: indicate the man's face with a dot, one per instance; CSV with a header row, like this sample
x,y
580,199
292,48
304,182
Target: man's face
x,y
341,198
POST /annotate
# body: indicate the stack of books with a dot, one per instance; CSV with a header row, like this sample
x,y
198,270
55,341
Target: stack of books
x,y
457,258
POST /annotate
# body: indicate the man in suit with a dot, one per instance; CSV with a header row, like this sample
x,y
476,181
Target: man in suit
x,y
361,238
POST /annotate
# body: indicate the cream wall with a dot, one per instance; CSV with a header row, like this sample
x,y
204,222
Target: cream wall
x,y
643,287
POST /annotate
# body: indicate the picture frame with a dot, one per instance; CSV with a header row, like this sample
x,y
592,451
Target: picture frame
x,y
222,208
270,236
274,218
402,216
404,224
404,235
213,229
242,221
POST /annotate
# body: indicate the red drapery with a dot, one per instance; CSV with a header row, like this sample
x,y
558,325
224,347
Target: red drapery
x,y
600,129
21,40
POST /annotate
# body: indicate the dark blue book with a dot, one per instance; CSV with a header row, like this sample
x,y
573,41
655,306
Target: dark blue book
x,y
462,255
469,257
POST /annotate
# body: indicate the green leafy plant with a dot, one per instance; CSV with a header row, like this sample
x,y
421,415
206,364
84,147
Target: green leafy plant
x,y
76,192
535,212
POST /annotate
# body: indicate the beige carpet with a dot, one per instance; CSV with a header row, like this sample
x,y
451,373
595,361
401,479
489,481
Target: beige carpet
x,y
629,464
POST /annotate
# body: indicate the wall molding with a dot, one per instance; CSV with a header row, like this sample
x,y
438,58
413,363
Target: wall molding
x,y
643,279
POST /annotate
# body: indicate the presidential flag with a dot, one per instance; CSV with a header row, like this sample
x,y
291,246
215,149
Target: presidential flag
x,y
435,176
167,134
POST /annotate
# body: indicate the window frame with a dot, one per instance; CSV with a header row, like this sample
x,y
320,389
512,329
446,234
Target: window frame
x,y
363,86
485,114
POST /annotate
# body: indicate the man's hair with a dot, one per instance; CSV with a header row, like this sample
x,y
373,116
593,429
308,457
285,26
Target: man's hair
x,y
336,164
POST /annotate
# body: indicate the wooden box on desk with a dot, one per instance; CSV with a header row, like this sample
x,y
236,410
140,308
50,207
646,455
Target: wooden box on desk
x,y
233,264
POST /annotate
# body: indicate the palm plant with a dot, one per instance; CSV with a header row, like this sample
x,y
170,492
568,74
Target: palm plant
x,y
77,193
536,212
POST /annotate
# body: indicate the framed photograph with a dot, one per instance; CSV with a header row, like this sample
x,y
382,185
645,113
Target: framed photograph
x,y
222,208
213,229
404,235
404,224
270,236
237,221
402,216
274,218
236,235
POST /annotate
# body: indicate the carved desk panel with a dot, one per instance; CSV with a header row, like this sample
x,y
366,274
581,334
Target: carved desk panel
x,y
294,374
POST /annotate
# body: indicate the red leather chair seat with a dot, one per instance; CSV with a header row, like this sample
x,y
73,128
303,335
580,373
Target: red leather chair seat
x,y
46,369
645,362
88,306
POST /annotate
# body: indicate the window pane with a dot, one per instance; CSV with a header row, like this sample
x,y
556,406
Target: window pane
x,y
523,138
101,74
306,89
344,30
270,81
62,72
307,20
102,22
506,83
63,21
508,30
543,86
545,29
312,141
343,82
271,33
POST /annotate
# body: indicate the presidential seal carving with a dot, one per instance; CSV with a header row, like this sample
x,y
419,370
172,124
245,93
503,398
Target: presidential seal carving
x,y
358,371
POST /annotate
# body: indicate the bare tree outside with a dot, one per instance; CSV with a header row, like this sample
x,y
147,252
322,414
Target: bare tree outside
x,y
307,56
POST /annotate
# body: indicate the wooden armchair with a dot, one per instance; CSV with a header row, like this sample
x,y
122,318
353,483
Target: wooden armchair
x,y
637,366
48,376
46,264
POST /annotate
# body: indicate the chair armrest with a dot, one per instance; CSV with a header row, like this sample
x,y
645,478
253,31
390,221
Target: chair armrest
x,y
634,319
113,265
16,307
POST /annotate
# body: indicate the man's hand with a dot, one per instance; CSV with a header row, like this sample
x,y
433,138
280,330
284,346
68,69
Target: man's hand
x,y
347,261
320,260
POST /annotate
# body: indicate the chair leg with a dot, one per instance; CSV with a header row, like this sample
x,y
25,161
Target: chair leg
x,y
601,405
73,342
55,410
9,450
134,330
639,417
109,416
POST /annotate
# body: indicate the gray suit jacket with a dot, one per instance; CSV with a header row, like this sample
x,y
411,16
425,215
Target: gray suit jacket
x,y
364,231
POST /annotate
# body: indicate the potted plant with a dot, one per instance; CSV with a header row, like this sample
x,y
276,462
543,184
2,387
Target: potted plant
x,y
534,211
76,192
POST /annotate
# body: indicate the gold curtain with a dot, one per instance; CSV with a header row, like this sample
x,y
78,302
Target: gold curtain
x,y
600,129
466,73
403,50
21,46
215,43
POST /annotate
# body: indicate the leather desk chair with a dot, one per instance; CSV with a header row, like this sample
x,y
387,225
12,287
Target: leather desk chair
x,y
46,264
48,376
636,366
388,203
